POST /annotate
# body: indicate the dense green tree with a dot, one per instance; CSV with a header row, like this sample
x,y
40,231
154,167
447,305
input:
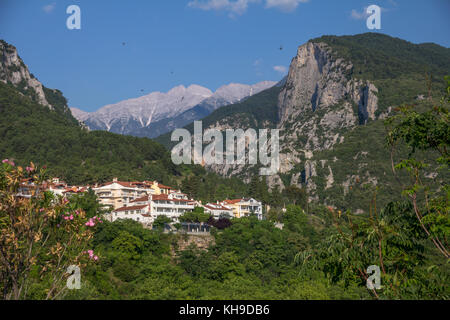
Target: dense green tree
x,y
296,196
88,201
128,245
198,215
427,131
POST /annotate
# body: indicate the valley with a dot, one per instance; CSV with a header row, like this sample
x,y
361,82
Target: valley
x,y
362,182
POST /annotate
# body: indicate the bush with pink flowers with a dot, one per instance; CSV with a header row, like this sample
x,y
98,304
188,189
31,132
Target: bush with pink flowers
x,y
40,236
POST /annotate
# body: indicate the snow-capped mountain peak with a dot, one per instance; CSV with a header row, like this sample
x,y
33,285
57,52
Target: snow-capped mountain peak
x,y
130,116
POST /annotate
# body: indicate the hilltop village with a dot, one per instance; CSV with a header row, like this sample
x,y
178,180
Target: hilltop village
x,y
145,201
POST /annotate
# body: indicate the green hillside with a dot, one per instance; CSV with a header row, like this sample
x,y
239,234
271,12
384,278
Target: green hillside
x,y
399,69
402,71
32,132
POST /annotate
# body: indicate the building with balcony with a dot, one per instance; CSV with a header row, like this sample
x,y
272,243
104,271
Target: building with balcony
x,y
169,206
138,213
218,210
118,194
244,207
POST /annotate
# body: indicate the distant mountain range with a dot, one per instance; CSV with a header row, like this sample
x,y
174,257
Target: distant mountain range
x,y
158,113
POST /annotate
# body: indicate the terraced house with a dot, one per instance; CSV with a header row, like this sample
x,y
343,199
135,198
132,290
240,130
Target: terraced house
x,y
118,194
218,210
244,207
170,206
139,213
147,208
145,201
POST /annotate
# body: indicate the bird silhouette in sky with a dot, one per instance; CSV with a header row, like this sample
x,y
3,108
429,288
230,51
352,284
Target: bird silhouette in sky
x,y
281,48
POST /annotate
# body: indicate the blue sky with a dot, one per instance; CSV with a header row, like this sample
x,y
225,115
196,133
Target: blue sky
x,y
173,42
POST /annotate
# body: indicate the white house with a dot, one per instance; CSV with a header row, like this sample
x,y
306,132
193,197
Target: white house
x,y
117,194
57,189
178,195
218,211
169,206
139,213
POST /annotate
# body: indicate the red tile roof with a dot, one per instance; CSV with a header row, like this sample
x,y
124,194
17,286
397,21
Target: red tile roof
x,y
123,184
161,186
217,207
183,200
130,208
165,197
160,197
142,199
233,201
75,190
140,184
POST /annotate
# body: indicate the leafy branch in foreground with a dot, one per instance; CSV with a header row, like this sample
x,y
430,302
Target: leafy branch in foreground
x,y
40,235
391,239
427,131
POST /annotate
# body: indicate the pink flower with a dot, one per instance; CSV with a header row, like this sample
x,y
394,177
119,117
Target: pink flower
x,y
66,218
10,162
91,255
41,210
98,219
71,217
90,223
30,169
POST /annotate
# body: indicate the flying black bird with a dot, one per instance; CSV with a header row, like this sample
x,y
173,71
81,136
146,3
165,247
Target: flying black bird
x,y
123,43
281,48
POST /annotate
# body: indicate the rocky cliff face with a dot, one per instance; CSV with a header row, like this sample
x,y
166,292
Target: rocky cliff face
x,y
319,102
320,99
13,70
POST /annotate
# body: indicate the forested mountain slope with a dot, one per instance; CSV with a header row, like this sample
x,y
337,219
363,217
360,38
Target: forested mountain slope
x,y
331,112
